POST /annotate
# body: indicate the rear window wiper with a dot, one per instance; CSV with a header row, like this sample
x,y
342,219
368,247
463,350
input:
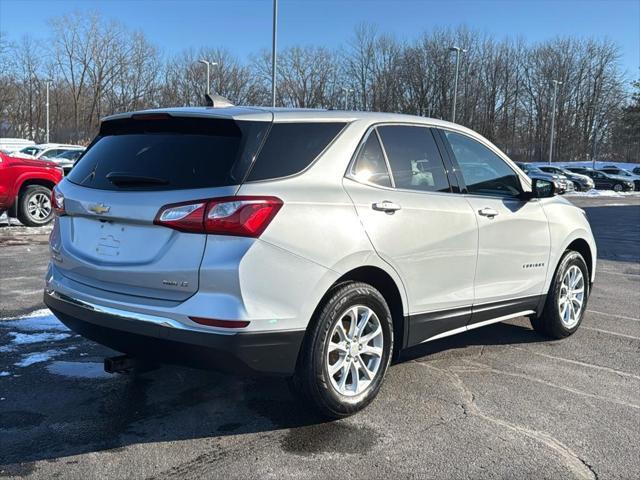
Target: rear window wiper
x,y
131,179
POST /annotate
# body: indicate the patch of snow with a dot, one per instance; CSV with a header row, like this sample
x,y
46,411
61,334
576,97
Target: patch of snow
x,y
27,338
19,229
78,369
36,313
38,321
38,357
603,193
4,374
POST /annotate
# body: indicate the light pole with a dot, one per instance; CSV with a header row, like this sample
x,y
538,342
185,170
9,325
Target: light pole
x,y
553,117
458,51
274,42
346,91
209,65
48,83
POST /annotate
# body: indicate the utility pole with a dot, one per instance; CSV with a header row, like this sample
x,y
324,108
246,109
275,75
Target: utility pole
x,y
209,65
458,51
48,82
553,118
346,91
273,53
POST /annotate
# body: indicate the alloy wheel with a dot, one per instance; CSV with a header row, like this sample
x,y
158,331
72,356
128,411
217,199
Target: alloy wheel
x,y
355,350
39,207
571,299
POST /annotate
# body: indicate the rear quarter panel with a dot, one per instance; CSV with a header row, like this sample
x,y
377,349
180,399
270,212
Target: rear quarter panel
x,y
318,223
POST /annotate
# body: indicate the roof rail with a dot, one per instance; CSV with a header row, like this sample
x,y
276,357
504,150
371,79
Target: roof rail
x,y
216,101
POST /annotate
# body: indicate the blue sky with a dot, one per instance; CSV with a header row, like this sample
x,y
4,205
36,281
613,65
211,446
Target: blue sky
x,y
244,26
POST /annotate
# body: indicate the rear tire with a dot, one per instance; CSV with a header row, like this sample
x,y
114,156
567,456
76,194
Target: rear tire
x,y
34,206
618,187
346,352
567,298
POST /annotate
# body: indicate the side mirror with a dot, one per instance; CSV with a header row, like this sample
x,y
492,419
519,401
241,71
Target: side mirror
x,y
542,188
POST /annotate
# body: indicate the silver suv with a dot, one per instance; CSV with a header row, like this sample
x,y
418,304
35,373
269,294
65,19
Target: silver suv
x,y
315,245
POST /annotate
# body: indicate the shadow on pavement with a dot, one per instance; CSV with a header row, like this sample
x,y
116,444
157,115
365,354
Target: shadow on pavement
x,y
54,416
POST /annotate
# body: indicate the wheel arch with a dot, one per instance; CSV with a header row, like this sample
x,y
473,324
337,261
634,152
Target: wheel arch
x,y
581,246
392,293
35,181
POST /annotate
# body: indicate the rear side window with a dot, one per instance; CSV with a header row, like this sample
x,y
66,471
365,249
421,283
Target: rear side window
x,y
370,165
292,147
414,158
169,154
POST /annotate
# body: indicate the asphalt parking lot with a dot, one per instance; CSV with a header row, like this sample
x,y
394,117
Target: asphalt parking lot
x,y
498,402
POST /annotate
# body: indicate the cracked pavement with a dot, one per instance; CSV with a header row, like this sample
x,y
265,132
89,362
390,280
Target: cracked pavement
x,y
497,402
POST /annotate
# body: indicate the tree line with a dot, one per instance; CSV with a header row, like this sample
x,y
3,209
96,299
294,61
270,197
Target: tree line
x,y
96,67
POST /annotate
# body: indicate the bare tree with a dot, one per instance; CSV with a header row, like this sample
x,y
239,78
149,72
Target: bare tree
x,y
99,67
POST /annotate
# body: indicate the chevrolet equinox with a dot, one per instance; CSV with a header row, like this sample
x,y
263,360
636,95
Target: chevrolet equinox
x,y
314,245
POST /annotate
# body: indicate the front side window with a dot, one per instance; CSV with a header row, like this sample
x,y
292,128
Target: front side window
x,y
54,153
370,165
484,172
414,158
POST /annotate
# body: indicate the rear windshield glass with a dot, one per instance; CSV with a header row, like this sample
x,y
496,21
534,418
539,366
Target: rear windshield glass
x,y
169,153
292,147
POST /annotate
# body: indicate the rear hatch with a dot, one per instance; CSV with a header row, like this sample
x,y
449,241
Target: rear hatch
x,y
134,167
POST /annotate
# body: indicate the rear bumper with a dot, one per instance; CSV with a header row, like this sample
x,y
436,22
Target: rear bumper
x,y
162,340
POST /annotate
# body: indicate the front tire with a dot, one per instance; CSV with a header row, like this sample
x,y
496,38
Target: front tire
x,y
567,298
346,352
618,187
34,206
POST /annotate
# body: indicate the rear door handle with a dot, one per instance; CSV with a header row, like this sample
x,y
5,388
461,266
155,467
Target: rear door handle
x,y
386,206
488,212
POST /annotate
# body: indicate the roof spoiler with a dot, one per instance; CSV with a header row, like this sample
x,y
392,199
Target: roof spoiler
x,y
216,101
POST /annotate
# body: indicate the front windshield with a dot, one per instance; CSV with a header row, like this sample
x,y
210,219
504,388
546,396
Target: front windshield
x,y
31,150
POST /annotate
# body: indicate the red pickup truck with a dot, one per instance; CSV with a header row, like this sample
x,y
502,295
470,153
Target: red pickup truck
x,y
25,188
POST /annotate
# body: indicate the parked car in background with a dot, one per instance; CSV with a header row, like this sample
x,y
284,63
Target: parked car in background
x,y
47,150
10,145
561,182
621,172
604,181
317,246
636,171
66,160
582,183
25,188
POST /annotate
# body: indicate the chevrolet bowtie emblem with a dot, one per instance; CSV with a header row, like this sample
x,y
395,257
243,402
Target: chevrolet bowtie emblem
x,y
99,208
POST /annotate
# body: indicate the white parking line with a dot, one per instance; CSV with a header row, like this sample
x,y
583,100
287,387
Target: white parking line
x,y
610,272
612,333
614,315
578,362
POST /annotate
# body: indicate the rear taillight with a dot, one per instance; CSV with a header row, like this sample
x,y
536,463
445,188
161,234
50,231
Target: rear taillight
x,y
57,202
243,216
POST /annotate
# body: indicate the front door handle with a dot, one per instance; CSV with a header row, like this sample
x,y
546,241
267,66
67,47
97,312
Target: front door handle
x,y
488,212
386,206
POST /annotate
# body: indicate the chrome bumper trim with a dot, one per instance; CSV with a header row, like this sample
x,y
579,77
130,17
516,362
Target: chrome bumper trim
x,y
132,316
